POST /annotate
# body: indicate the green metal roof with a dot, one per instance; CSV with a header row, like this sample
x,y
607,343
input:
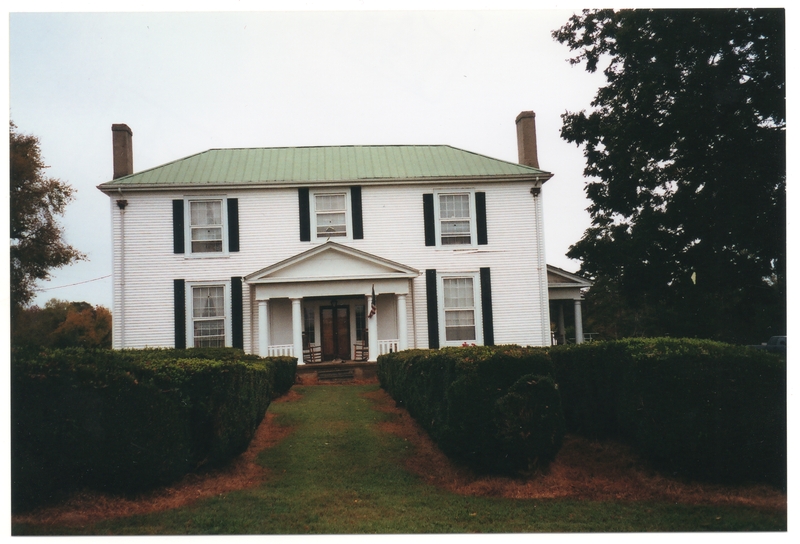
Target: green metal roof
x,y
299,165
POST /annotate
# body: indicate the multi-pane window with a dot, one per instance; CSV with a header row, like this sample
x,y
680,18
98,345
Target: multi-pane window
x,y
205,223
208,316
459,309
331,214
308,323
455,224
361,322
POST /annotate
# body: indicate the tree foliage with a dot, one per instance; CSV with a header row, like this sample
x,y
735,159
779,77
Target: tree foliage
x,y
62,324
37,245
685,149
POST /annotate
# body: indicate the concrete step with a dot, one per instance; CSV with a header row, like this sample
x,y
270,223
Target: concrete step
x,y
335,375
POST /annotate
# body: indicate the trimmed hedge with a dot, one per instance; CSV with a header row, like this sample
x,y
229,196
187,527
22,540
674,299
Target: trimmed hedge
x,y
284,373
125,421
695,408
496,408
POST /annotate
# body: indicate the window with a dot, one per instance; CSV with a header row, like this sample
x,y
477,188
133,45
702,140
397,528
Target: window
x,y
206,226
459,309
208,317
208,320
455,219
361,322
308,323
211,225
459,312
330,215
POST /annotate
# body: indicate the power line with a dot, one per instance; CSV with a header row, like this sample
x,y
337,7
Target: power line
x,y
78,283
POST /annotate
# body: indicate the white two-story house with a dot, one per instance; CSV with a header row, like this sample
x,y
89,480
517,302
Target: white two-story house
x,y
350,250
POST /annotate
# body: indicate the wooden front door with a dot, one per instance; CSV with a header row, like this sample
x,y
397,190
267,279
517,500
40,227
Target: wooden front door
x,y
335,324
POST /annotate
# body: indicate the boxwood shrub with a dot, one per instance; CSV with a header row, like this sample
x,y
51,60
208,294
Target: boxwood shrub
x,y
695,408
125,421
284,373
496,408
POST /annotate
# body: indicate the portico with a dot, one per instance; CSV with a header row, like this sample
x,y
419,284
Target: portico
x,y
563,287
324,298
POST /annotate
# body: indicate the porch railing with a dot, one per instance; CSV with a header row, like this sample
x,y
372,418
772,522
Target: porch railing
x,y
280,350
385,346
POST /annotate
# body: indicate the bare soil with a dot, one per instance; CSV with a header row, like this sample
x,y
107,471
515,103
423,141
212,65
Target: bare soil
x,y
583,469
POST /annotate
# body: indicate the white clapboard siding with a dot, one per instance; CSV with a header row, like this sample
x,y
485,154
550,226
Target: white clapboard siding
x,y
269,233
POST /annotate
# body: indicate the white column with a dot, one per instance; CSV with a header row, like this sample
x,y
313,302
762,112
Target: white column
x,y
402,323
578,322
297,330
263,328
372,326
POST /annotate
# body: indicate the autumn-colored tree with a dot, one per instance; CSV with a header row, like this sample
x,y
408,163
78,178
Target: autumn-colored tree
x,y
88,328
36,200
62,324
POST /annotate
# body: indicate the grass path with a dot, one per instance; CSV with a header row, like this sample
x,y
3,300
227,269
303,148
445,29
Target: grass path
x,y
337,472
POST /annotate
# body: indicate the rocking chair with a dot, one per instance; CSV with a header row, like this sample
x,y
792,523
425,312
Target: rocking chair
x,y
361,348
311,353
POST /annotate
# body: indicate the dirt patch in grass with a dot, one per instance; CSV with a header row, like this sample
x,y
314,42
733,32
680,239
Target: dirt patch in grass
x,y
583,469
242,473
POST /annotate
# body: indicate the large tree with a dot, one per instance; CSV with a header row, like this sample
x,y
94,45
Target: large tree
x,y
37,245
685,154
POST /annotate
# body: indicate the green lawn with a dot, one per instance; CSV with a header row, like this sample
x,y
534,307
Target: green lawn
x,y
338,473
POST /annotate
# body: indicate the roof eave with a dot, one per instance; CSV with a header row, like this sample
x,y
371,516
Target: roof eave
x,y
112,187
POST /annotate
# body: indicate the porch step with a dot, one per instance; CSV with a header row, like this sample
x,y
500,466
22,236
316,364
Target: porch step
x,y
342,375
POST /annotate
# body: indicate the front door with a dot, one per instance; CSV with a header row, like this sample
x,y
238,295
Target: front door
x,y
335,322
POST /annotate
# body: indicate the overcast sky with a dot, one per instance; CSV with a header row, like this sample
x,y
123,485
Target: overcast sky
x,y
187,82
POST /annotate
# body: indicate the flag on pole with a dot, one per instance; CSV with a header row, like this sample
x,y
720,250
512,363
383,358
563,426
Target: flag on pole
x,y
373,309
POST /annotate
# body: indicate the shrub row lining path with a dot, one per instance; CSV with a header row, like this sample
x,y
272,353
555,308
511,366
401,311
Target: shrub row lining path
x,y
354,463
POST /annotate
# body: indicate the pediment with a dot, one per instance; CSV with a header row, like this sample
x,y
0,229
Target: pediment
x,y
331,262
557,278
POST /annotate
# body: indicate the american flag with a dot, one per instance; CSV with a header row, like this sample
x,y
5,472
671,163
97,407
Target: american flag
x,y
373,309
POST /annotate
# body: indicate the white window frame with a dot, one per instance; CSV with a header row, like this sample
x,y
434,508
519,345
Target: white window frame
x,y
348,213
473,225
187,214
190,287
476,286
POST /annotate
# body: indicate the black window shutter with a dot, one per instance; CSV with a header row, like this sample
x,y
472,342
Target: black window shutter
x,y
358,221
480,220
233,224
237,314
433,309
305,214
486,307
177,226
180,313
427,211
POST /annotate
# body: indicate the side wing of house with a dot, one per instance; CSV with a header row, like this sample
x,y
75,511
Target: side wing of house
x,y
566,288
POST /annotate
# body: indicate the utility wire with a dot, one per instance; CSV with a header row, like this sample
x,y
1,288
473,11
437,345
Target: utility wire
x,y
80,282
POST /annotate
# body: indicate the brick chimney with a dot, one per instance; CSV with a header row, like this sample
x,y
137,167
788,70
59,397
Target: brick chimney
x,y
123,150
526,139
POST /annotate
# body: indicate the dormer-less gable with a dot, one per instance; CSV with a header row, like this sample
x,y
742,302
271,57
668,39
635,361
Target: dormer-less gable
x,y
331,269
331,262
563,285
